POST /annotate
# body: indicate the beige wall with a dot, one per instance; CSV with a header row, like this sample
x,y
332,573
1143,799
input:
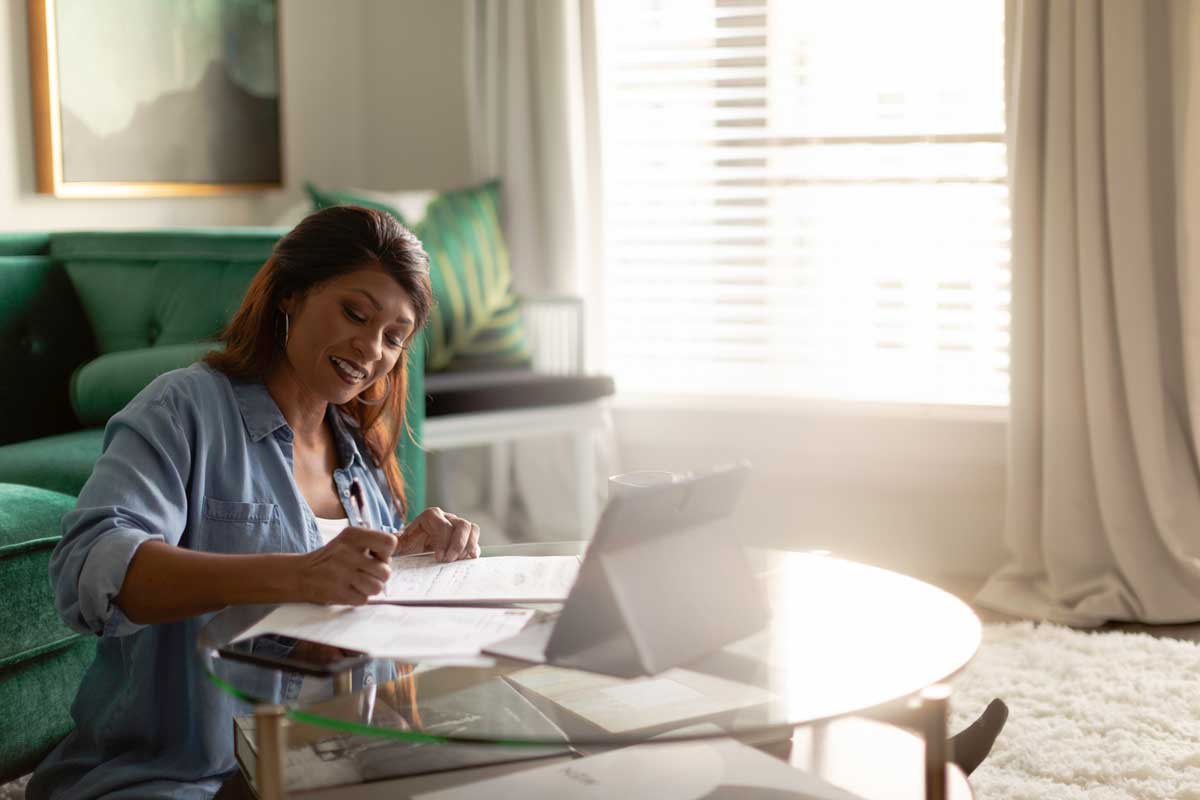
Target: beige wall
x,y
416,93
373,96
917,489
324,108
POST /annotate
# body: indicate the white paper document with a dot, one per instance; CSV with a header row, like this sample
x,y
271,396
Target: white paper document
x,y
702,770
619,705
504,579
399,632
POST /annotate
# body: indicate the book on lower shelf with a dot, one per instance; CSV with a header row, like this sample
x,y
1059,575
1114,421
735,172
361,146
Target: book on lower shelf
x,y
318,761
705,769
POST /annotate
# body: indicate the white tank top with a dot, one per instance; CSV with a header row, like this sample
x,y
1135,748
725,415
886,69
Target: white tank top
x,y
330,528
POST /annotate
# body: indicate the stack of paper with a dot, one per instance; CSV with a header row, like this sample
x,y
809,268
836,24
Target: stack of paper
x,y
387,629
718,769
503,579
398,632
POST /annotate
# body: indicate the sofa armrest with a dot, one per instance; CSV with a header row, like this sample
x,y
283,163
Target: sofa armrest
x,y
554,327
44,336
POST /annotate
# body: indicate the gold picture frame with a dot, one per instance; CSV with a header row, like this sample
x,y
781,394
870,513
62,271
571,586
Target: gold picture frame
x,y
75,162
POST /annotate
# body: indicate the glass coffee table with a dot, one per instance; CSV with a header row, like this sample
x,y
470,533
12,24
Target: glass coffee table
x,y
845,640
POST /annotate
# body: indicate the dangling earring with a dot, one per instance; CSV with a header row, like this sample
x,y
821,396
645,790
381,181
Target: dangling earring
x,y
388,391
287,324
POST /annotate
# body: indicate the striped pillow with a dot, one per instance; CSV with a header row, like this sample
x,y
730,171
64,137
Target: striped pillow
x,y
475,322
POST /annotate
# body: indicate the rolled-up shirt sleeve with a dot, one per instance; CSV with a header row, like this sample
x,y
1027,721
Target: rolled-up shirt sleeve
x,y
137,492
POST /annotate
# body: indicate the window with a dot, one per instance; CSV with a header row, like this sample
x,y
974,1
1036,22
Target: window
x,y
806,198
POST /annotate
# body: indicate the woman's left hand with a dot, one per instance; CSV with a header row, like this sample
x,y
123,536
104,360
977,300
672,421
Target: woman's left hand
x,y
449,536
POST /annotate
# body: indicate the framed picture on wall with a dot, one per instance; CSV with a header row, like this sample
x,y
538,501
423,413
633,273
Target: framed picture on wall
x,y
153,98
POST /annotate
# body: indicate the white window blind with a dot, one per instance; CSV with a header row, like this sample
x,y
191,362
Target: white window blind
x,y
806,198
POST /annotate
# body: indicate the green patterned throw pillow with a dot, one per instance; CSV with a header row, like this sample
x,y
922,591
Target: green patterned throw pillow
x,y
475,323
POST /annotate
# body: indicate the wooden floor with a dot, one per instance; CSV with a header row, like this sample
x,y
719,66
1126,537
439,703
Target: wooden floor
x,y
966,588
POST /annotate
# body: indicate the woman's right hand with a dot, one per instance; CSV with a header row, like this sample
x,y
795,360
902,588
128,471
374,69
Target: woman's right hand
x,y
348,570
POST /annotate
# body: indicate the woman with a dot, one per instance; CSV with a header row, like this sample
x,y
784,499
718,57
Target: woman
x,y
233,481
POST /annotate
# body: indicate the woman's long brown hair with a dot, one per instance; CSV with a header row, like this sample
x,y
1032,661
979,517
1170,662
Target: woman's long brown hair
x,y
329,243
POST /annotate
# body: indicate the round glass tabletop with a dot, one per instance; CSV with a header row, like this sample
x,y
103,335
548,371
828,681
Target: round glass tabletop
x,y
843,637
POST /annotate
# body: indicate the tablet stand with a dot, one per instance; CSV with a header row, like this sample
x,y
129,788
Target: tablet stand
x,y
664,583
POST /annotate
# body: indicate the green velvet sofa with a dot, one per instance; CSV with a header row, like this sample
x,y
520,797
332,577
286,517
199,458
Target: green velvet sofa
x,y
86,320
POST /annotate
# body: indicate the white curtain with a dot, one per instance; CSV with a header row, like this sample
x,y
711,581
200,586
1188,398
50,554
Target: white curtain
x,y
532,107
1103,518
532,110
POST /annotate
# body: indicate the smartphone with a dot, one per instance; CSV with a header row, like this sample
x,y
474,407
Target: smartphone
x,y
295,655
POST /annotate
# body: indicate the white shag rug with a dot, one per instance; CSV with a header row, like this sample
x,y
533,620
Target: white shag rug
x,y
1102,716
14,790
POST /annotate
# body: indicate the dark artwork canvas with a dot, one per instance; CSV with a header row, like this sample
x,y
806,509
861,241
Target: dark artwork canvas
x,y
177,91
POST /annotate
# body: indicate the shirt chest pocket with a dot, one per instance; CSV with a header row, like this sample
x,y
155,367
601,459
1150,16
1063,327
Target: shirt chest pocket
x,y
235,527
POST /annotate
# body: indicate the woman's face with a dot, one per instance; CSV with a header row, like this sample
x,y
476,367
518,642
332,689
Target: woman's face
x,y
348,332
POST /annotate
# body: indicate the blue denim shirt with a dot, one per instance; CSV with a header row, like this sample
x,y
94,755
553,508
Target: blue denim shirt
x,y
203,462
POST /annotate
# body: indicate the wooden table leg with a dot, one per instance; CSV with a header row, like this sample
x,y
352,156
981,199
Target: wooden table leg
x,y
934,702
272,748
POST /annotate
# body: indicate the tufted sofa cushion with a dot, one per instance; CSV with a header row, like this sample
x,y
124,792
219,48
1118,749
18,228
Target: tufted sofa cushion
x,y
41,659
158,288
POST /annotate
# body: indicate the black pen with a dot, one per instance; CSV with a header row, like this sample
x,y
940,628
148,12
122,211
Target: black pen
x,y
360,503
356,494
